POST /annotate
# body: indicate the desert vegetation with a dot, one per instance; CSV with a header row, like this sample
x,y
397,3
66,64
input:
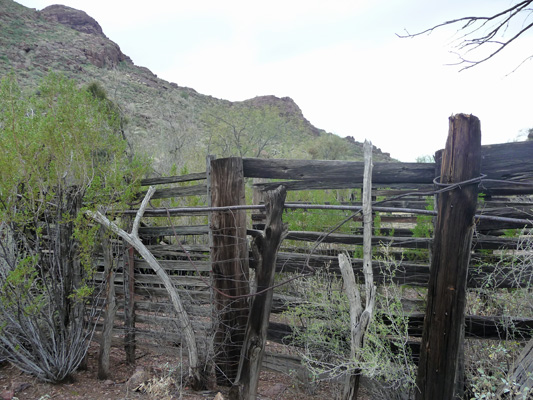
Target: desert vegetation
x,y
62,154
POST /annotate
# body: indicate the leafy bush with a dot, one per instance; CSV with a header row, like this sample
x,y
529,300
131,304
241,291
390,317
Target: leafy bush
x,y
322,332
488,363
61,152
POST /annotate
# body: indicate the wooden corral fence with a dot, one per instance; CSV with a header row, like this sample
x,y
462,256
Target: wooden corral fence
x,y
206,252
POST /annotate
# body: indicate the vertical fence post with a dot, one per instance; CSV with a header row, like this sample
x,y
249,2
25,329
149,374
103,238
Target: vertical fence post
x,y
129,305
109,311
229,266
441,339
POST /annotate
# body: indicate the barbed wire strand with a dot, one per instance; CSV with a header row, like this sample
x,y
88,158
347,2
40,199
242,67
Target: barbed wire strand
x,y
358,209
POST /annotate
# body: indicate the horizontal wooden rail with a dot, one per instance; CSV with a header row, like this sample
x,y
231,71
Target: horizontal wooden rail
x,y
173,179
173,230
196,190
476,327
351,171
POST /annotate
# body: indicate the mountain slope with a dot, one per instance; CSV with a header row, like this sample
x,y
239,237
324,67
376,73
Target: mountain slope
x,y
168,122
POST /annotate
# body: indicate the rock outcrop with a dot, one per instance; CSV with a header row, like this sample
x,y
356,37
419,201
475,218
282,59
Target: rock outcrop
x,y
76,19
288,108
101,52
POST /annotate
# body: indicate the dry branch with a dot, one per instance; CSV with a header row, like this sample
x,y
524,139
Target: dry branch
x,y
359,318
482,31
134,240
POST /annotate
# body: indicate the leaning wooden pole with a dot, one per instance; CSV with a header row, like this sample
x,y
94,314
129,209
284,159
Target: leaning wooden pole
x,y
441,339
265,250
195,376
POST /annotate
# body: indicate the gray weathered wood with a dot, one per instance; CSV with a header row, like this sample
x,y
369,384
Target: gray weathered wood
x,y
449,267
480,242
195,377
476,327
197,190
360,318
147,279
109,312
229,257
172,230
350,171
507,161
165,180
265,247
129,305
320,184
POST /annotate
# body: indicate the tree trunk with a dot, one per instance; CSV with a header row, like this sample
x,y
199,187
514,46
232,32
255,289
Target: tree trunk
x,y
265,249
451,253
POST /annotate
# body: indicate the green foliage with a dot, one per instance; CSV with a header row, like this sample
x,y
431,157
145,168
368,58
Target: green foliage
x,y
512,233
424,223
62,137
181,201
317,220
62,152
321,332
425,159
250,131
329,147
488,370
423,229
377,225
488,362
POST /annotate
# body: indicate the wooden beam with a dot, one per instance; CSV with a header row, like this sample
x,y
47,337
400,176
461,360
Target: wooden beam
x,y
165,180
350,171
508,161
497,327
196,190
153,231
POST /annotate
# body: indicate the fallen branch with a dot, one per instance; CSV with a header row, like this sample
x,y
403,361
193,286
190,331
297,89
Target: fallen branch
x,y
134,240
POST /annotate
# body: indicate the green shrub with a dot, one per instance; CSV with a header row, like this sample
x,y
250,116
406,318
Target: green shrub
x,y
61,153
322,333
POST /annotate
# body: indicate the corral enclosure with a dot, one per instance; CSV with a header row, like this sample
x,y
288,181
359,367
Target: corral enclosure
x,y
191,244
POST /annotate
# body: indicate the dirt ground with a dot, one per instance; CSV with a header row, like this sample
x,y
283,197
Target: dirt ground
x,y
158,368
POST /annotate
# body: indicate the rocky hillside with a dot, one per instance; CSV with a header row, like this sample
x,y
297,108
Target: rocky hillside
x,y
172,124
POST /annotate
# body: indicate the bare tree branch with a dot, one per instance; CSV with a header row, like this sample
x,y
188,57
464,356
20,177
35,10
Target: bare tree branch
x,y
473,39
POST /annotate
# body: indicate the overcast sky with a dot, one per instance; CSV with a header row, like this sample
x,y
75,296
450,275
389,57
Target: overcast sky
x,y
340,61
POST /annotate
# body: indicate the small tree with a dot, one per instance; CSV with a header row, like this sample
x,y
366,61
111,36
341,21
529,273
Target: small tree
x,y
249,130
61,152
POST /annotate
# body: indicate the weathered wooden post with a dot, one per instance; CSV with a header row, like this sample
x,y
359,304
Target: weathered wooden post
x,y
441,339
229,263
360,318
129,305
109,311
265,250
